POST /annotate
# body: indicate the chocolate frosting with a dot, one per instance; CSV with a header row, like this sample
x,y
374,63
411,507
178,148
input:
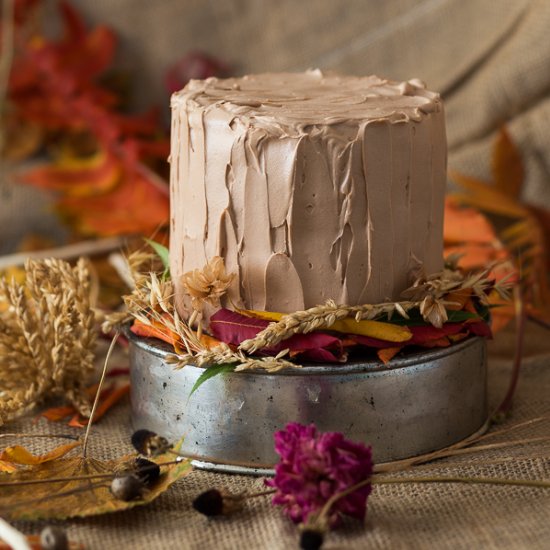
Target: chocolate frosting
x,y
309,186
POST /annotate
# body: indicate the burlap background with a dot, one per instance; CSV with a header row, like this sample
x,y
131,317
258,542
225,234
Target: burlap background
x,y
490,59
399,517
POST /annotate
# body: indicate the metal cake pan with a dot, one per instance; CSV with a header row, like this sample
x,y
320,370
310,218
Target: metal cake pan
x,y
419,403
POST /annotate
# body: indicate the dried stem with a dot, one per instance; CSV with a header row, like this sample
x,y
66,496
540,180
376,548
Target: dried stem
x,y
98,393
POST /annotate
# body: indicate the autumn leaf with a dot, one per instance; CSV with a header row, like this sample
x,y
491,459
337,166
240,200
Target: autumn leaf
x,y
138,204
233,328
77,177
19,455
72,497
521,229
108,398
374,329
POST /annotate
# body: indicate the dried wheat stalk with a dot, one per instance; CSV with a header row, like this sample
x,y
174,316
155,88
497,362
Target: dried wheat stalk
x,y
47,337
151,302
427,294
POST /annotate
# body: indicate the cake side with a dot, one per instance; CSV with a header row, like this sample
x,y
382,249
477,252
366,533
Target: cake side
x,y
309,187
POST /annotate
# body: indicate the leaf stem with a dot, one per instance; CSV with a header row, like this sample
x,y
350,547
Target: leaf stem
x,y
83,477
98,392
322,517
534,483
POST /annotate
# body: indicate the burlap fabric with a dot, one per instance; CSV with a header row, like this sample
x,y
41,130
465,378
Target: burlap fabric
x,y
400,516
488,58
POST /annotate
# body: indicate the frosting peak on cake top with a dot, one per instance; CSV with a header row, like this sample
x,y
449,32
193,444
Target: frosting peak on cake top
x,y
297,100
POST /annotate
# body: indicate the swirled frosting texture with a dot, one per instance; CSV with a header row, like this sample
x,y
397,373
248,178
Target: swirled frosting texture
x,y
309,186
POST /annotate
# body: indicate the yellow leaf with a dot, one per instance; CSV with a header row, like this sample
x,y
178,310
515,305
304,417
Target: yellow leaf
x,y
20,455
7,467
77,497
373,329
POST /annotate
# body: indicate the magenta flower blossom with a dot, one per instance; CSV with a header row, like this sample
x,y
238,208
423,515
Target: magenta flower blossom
x,y
315,466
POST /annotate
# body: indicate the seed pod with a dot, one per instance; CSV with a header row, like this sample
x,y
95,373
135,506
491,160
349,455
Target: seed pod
x,y
147,471
53,538
148,443
127,487
216,503
311,539
209,503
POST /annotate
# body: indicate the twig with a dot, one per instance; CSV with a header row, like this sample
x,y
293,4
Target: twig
x,y
96,400
536,483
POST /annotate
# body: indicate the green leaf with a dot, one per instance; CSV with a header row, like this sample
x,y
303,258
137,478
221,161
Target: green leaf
x,y
210,372
163,253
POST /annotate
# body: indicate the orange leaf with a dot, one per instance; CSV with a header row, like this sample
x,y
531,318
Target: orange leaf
x,y
439,343
19,455
459,299
55,414
154,330
462,224
77,177
111,399
387,354
139,204
7,467
487,197
209,342
507,165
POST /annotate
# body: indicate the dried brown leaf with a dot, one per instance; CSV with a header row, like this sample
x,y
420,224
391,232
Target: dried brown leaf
x,y
76,498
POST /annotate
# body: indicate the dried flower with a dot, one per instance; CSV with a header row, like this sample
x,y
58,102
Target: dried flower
x,y
47,336
207,285
316,466
433,311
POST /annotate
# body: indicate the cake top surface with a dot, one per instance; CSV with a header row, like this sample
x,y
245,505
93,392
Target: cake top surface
x,y
311,98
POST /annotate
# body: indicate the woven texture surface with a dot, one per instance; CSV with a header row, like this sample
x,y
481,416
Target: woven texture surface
x,y
489,59
399,516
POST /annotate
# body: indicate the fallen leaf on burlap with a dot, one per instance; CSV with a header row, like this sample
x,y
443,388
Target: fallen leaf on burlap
x,y
108,399
19,455
77,498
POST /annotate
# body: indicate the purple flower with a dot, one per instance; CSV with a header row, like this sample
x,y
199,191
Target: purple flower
x,y
314,467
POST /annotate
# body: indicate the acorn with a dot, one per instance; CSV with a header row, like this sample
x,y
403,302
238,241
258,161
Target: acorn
x,y
311,539
127,487
53,538
148,443
147,471
217,503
